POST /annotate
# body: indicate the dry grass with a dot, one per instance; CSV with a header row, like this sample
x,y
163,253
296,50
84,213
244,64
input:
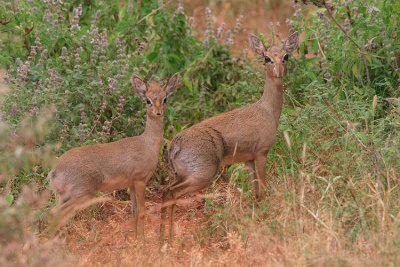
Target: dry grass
x,y
286,234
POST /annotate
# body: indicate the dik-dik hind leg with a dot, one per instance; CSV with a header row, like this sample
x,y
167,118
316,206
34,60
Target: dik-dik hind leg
x,y
251,168
179,190
261,161
64,212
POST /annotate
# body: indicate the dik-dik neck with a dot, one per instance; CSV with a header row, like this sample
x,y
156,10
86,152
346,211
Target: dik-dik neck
x,y
154,129
272,97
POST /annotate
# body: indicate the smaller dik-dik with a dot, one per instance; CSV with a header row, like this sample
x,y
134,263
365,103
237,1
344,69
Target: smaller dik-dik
x,y
242,135
127,163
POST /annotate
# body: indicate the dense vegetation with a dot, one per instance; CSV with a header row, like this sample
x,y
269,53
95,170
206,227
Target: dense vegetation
x,y
334,173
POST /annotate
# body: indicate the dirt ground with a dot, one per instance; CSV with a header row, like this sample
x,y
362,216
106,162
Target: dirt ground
x,y
103,236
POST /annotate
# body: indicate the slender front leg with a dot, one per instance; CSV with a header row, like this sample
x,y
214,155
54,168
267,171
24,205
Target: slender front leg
x,y
140,189
134,209
163,217
171,222
261,161
252,173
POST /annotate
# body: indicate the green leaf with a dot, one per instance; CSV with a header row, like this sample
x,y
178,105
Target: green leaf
x,y
369,58
355,70
152,56
9,199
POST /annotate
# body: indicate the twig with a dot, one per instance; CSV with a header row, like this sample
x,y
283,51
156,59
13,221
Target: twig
x,y
341,27
320,49
322,223
152,12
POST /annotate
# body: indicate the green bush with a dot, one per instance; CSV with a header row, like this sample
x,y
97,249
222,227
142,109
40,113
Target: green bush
x,y
356,46
79,56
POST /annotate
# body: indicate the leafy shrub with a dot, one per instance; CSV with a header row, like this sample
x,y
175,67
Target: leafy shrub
x,y
352,49
79,57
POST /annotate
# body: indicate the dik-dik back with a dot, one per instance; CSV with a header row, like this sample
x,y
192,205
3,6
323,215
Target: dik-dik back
x,y
104,167
232,137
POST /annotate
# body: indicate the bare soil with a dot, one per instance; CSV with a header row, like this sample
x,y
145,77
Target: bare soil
x,y
104,236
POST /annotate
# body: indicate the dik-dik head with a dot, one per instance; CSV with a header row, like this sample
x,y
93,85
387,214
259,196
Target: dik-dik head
x,y
275,57
154,94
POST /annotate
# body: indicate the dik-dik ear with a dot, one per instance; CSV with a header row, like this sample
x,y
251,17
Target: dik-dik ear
x,y
291,43
172,84
257,45
138,86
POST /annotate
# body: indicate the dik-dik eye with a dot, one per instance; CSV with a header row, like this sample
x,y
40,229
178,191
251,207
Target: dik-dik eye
x,y
164,101
148,101
268,60
285,58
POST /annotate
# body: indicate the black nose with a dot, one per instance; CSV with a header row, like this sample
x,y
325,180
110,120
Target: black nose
x,y
158,113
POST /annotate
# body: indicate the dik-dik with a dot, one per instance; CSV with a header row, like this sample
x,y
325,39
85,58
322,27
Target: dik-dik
x,y
242,135
127,163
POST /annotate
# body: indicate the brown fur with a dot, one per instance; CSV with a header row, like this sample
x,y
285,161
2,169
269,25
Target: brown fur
x,y
127,163
242,135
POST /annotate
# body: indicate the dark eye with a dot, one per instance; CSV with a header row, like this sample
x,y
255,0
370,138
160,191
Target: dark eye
x,y
285,58
268,60
164,100
148,101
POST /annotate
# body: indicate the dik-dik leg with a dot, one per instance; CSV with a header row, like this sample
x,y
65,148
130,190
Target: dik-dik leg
x,y
65,211
261,161
140,187
251,169
132,194
185,187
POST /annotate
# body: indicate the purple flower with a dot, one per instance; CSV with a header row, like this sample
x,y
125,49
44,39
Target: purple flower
x,y
77,11
191,21
372,9
321,15
290,23
220,30
13,110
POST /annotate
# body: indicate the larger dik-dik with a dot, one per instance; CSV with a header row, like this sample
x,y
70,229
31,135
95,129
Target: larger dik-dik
x,y
242,135
127,163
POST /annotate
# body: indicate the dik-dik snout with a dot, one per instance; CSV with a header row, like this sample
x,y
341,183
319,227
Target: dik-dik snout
x,y
155,96
275,58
